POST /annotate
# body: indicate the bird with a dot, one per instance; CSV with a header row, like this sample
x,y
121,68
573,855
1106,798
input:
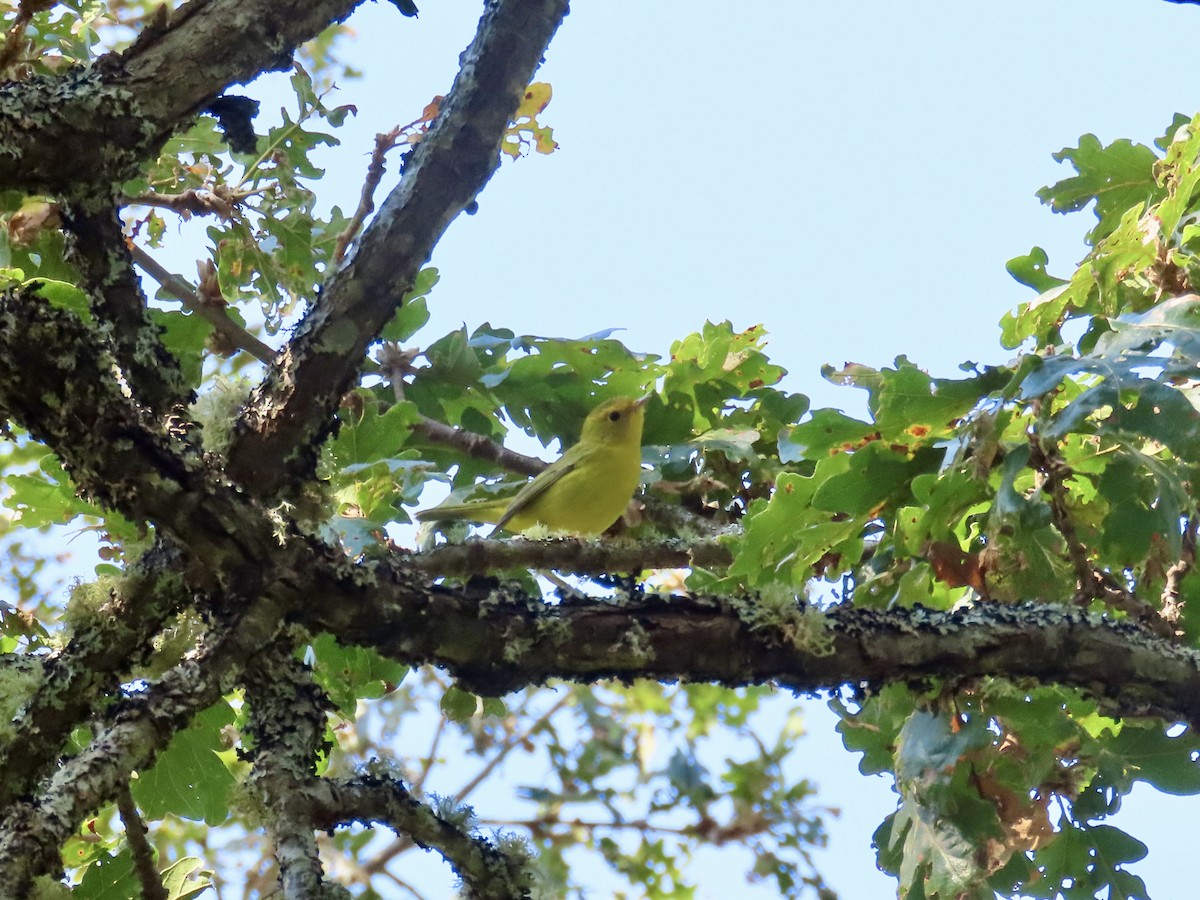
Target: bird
x,y
583,492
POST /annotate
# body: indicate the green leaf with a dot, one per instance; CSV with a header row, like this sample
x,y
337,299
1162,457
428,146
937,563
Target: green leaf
x,y
1147,752
936,860
1116,177
189,779
785,538
186,879
874,730
908,406
351,673
1085,861
1030,270
827,431
109,878
1175,320
186,336
875,474
931,744
737,444
459,705
367,436
50,497
65,296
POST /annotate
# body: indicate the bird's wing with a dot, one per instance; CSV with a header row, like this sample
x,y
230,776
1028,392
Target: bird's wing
x,y
569,462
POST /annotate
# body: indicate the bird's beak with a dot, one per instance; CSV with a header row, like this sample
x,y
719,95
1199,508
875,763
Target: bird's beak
x,y
642,401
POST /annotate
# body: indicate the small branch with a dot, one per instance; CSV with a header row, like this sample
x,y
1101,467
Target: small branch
x,y
478,446
1172,599
12,41
216,316
395,364
1091,583
514,741
582,557
221,201
385,856
414,131
431,756
487,870
543,825
139,847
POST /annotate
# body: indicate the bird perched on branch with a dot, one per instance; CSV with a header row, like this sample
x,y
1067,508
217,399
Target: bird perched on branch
x,y
583,492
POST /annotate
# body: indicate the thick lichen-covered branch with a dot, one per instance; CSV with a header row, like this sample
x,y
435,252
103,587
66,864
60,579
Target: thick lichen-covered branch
x,y
32,829
287,727
58,381
294,409
495,640
117,113
105,643
97,247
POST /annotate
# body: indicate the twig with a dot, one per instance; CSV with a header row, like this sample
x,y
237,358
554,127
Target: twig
x,y
383,143
478,446
229,330
1172,600
541,825
1091,583
366,201
566,590
404,842
394,364
221,200
139,847
12,41
508,746
418,785
350,868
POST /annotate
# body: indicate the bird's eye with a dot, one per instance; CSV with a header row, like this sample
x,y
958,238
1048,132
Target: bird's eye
x,y
614,416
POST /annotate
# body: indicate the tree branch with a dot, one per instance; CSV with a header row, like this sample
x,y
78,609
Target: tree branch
x,y
287,726
33,829
139,847
117,113
490,871
96,245
495,641
478,446
574,555
231,333
292,412
77,677
1171,608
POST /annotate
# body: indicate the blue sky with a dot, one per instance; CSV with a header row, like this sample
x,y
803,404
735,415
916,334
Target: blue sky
x,y
854,176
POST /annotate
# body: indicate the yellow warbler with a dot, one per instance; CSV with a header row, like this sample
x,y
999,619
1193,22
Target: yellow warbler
x,y
583,491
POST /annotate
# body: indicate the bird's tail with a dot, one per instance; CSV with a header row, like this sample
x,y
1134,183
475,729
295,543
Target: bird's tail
x,y
477,511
